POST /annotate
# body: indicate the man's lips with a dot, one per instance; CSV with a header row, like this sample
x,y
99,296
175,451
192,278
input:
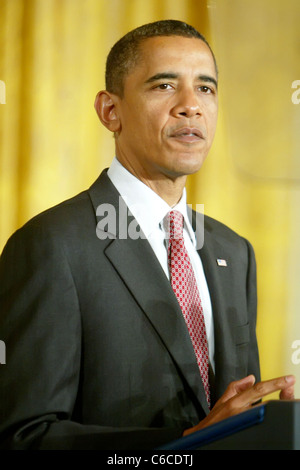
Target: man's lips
x,y
187,134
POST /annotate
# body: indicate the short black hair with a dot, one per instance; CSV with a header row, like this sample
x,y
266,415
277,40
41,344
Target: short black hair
x,y
124,54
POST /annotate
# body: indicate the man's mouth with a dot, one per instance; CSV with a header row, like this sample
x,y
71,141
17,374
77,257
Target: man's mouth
x,y
188,134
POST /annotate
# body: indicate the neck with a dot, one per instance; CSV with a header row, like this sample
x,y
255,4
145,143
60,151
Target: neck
x,y
169,188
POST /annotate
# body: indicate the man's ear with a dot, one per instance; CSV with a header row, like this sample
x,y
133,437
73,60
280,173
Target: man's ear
x,y
105,105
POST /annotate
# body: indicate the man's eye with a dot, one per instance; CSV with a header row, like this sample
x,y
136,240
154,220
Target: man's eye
x,y
164,86
205,89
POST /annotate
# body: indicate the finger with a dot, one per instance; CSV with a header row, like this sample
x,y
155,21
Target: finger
x,y
243,384
262,389
287,393
237,387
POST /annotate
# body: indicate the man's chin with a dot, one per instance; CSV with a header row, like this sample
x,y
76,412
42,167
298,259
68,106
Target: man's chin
x,y
187,168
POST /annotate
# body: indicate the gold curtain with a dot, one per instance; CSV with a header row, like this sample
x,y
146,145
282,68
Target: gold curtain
x,y
53,146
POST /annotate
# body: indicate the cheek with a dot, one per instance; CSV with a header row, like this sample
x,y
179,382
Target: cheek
x,y
153,118
151,130
144,123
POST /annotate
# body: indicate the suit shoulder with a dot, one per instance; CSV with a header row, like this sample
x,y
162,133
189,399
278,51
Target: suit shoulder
x,y
73,214
215,225
224,234
69,208
61,220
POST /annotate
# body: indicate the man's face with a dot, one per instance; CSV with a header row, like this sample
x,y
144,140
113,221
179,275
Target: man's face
x,y
168,112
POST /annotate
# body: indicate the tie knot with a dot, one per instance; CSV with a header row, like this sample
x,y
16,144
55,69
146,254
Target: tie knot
x,y
175,222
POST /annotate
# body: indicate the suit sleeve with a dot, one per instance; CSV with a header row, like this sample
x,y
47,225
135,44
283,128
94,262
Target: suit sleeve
x,y
40,324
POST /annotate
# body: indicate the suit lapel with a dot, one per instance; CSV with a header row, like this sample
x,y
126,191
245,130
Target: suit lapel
x,y
137,265
207,255
219,284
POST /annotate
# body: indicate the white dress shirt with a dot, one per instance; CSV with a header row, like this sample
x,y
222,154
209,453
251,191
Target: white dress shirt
x,y
149,210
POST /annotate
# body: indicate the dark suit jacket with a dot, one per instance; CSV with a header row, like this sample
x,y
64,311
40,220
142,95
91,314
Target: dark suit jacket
x,y
97,352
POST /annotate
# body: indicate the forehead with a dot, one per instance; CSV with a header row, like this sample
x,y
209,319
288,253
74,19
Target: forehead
x,y
174,53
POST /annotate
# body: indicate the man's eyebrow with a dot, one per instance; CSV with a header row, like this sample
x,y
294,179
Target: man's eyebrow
x,y
208,79
161,76
172,75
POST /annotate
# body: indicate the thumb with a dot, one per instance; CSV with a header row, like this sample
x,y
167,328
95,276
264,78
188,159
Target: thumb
x,y
244,384
238,386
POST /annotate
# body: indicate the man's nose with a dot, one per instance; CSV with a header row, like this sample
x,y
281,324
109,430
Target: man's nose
x,y
187,104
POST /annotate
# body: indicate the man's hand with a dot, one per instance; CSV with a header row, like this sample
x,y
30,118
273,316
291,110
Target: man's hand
x,y
240,395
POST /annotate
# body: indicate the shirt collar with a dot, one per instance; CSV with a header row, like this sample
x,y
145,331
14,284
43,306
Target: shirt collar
x,y
145,205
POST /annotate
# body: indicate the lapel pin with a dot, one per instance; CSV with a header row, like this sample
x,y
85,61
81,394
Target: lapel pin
x,y
221,262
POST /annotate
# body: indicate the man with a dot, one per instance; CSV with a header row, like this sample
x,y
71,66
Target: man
x,y
99,354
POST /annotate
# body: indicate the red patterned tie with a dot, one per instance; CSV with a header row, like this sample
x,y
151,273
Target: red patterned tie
x,y
184,285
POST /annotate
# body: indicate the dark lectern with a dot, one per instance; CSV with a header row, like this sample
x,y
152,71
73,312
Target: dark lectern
x,y
274,425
